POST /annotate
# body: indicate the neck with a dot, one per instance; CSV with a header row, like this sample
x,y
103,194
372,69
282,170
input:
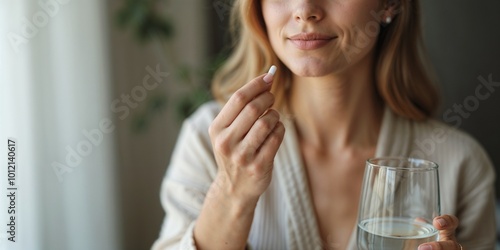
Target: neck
x,y
337,111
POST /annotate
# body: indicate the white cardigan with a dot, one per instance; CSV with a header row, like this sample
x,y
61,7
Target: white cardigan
x,y
284,217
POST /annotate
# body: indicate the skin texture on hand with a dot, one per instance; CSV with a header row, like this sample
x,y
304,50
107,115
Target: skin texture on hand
x,y
446,224
245,136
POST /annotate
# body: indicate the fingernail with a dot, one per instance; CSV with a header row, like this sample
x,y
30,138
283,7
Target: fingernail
x,y
442,222
425,247
270,74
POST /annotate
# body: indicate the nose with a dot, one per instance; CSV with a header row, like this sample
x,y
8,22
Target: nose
x,y
307,11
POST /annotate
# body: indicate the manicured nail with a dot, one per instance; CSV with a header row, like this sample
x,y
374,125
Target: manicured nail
x,y
270,74
425,247
442,222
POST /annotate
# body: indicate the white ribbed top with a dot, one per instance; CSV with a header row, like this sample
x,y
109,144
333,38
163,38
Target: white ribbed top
x,y
284,217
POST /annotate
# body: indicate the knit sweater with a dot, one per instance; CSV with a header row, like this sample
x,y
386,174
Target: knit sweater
x,y
284,217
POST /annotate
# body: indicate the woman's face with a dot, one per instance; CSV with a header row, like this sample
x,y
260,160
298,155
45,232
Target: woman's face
x,y
320,37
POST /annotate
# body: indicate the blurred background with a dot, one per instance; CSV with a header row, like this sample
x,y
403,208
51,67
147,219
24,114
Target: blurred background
x,y
94,93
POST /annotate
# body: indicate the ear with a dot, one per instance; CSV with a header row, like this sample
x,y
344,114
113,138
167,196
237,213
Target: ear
x,y
391,9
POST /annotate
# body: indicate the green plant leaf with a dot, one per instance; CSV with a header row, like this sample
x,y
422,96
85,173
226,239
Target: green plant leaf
x,y
144,20
140,123
158,103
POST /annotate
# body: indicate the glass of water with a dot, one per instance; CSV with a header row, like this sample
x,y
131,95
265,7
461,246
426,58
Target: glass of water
x,y
399,199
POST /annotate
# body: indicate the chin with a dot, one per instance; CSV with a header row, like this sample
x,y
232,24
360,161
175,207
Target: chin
x,y
309,73
312,68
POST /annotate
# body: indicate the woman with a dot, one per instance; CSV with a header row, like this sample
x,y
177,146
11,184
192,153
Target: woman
x,y
351,84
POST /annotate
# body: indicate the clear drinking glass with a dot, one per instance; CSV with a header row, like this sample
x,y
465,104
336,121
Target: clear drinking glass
x,y
399,199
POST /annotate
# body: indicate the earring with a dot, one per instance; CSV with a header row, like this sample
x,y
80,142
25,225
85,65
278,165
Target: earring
x,y
388,20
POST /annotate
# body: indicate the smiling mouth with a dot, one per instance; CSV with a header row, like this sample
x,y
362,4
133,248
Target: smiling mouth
x,y
310,41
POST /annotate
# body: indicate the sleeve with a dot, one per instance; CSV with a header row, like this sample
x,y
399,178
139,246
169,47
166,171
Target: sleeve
x,y
476,202
191,171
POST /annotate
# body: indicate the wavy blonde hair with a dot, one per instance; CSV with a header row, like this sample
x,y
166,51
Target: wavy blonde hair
x,y
402,78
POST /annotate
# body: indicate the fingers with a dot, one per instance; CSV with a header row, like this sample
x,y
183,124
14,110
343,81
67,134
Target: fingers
x,y
247,107
265,127
446,224
239,100
441,245
250,115
243,128
271,144
261,129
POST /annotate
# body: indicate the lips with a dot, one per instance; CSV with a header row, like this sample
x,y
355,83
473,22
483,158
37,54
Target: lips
x,y
310,41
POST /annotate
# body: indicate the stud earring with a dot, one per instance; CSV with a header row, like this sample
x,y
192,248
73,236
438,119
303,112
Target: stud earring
x,y
388,20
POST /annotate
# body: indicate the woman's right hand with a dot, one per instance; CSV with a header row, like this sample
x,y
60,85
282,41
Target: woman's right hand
x,y
245,136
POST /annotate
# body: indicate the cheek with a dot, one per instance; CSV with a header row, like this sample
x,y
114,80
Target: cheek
x,y
360,37
359,31
275,19
272,10
274,14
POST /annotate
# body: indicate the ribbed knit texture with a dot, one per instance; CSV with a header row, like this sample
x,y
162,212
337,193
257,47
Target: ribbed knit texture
x,y
284,217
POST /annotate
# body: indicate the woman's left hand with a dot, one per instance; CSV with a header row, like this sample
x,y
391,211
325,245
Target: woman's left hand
x,y
446,224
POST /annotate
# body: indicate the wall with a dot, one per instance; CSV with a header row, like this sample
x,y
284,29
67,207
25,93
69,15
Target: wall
x,y
463,41
143,156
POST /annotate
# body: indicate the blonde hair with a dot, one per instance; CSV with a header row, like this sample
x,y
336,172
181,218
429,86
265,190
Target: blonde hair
x,y
402,78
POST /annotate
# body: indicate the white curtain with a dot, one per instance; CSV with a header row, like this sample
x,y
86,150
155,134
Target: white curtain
x,y
55,98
